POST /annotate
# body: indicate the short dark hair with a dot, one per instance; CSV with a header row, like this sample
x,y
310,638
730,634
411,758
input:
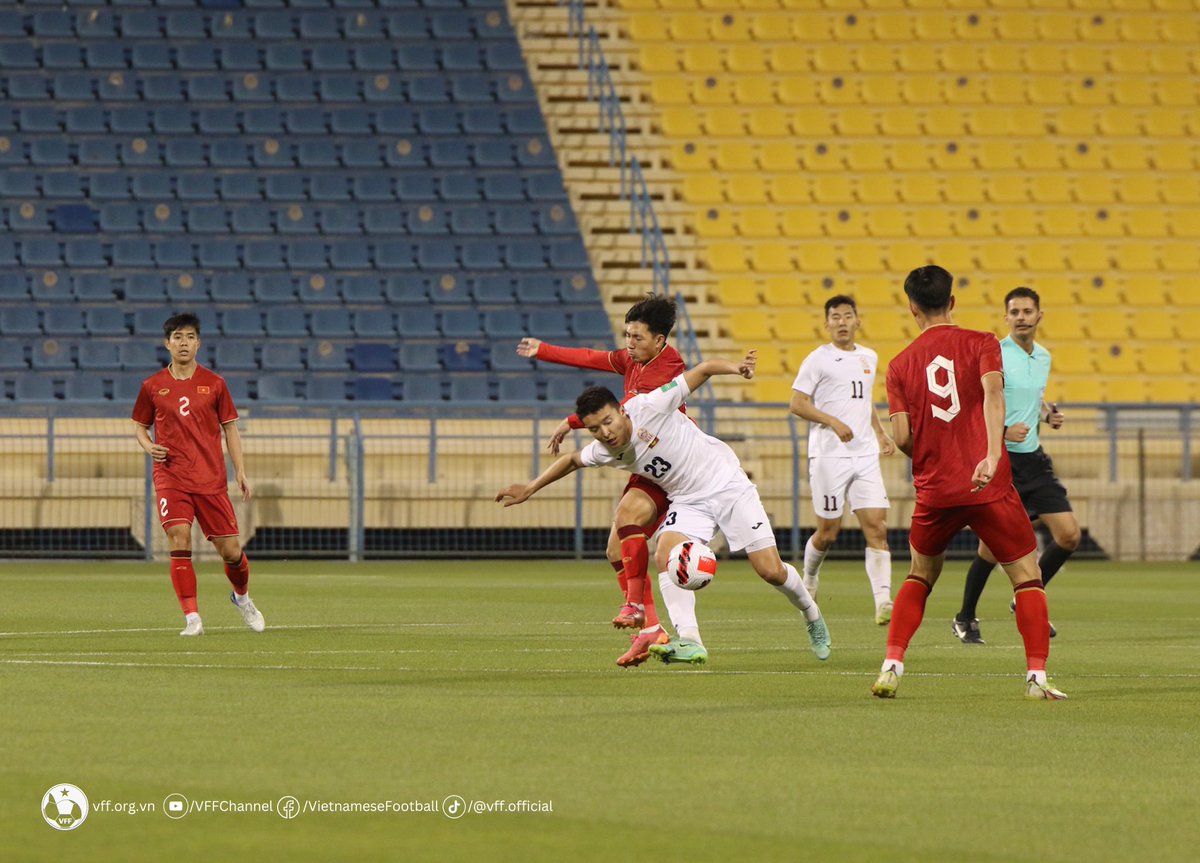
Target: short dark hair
x,y
593,399
657,312
1027,293
178,322
929,288
840,300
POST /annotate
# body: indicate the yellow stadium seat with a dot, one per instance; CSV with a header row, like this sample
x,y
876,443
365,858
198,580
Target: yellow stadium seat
x,y
998,155
779,157
773,389
922,90
1163,359
746,59
817,257
1191,357
680,123
1094,188
823,157
955,256
920,189
1185,222
1083,256
802,223
758,223
874,58
702,189
893,221
1133,91
1149,222
999,256
750,326
1046,90
793,326
1100,222
754,91
862,257
879,90
907,256
1166,59
1147,289
855,121
783,291
961,57
732,28
736,156
892,27
656,59
1060,221
1130,60
784,59
791,189
1132,257
703,59
1129,156
912,58
670,91
1138,189
715,223
770,360
888,350
1180,257
1075,121
1017,222
986,122
1107,325
1122,388
908,156
1181,190
812,122
1039,155
724,122
1173,156
712,90
768,123
797,90
965,189
1121,359
1167,389
1002,58
1180,28
899,121
1183,291
648,27
685,27
746,189
877,189
1161,122
881,292
1155,324
944,121
832,57
1004,90
738,291
1074,358
691,157
727,257
984,320
867,156
771,258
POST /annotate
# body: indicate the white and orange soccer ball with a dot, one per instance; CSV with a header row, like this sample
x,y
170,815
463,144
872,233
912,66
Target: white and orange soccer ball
x,y
692,565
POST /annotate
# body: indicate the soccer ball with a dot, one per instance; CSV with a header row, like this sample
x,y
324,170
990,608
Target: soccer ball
x,y
692,565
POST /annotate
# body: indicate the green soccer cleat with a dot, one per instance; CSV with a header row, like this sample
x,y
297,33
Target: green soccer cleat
x,y
691,652
883,614
1042,691
818,637
886,684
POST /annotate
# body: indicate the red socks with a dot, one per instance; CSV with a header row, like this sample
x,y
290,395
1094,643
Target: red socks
x,y
239,574
183,577
1033,622
907,613
635,559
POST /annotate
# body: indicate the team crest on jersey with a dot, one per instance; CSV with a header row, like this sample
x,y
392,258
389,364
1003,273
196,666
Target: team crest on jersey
x,y
164,391
202,390
648,438
866,365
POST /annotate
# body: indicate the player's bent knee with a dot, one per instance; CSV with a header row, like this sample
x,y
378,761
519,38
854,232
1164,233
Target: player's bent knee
x,y
636,508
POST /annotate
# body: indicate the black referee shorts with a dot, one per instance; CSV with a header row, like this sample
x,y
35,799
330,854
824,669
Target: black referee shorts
x,y
1039,488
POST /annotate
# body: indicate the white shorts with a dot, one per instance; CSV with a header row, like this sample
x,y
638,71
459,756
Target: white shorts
x,y
857,479
736,511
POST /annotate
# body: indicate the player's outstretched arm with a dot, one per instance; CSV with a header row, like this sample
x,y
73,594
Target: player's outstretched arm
x,y
562,466
697,376
580,358
803,407
233,443
156,452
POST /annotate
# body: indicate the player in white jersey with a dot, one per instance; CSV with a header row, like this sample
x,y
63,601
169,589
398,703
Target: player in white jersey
x,y
833,391
707,488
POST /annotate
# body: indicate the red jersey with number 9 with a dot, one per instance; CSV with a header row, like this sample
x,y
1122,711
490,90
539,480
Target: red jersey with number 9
x,y
187,416
937,381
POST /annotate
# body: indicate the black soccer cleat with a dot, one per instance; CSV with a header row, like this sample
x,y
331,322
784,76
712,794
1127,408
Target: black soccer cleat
x,y
967,631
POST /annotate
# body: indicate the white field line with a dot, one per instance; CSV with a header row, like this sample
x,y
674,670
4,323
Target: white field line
x,y
574,671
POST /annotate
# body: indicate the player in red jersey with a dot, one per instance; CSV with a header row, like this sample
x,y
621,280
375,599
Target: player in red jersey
x,y
946,399
647,363
189,406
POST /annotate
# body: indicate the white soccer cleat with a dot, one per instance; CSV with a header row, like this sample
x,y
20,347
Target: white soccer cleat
x,y
250,614
1042,691
194,626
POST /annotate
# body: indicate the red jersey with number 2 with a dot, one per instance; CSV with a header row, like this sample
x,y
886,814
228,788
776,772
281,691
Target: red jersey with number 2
x,y
937,381
187,416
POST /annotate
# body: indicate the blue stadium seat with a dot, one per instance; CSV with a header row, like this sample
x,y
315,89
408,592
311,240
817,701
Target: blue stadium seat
x,y
464,356
13,286
406,290
362,289
65,185
274,288
504,324
207,220
546,187
276,388
231,288
504,357
99,356
142,356
325,388
286,322
83,387
40,252
12,356
235,356
126,388
64,55
525,255
331,324
461,324
107,321
149,321
469,388
34,388
374,324
239,387
281,356
243,322
422,389
547,324
568,254
327,356
537,290
420,357
19,321
75,219
385,221
198,187
470,220
369,357
61,320
52,355
516,220
450,291
494,289
518,389
481,255
120,218
395,255
319,289
372,389
145,288
564,389
591,323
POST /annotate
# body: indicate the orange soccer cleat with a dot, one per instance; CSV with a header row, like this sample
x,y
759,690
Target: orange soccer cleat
x,y
639,647
631,616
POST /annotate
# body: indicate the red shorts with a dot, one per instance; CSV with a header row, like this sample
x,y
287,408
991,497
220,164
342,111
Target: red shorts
x,y
213,511
1002,525
655,493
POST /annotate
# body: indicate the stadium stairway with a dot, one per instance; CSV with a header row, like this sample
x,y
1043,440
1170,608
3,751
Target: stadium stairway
x,y
358,199
814,149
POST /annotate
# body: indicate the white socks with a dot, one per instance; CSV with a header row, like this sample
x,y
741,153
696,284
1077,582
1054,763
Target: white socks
x,y
798,594
894,665
813,558
190,616
1038,676
879,572
681,608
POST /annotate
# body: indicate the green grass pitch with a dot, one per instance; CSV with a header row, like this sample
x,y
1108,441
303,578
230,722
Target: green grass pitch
x,y
495,681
